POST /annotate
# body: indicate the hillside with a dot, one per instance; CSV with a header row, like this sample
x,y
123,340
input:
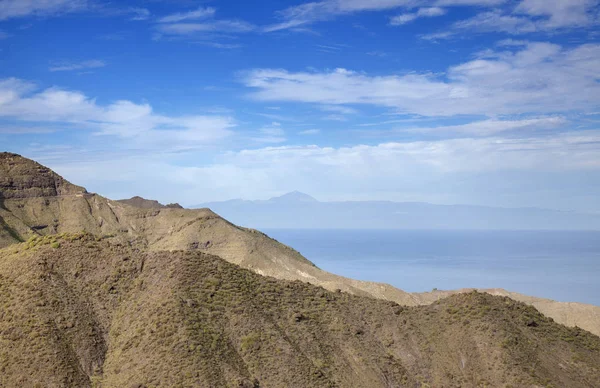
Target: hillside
x,y
34,201
79,310
148,203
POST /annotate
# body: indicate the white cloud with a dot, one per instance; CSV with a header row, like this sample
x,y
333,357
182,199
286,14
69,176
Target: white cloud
x,y
454,155
200,13
271,134
425,170
20,100
539,78
435,36
493,127
227,26
513,42
224,46
12,130
312,12
70,66
338,109
202,21
560,13
21,8
422,12
139,14
477,3
498,21
309,132
527,17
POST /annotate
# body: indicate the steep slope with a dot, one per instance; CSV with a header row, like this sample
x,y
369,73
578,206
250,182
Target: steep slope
x,y
83,311
32,214
34,201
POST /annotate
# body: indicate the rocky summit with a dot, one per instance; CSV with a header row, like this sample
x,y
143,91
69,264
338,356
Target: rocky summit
x,y
21,178
133,293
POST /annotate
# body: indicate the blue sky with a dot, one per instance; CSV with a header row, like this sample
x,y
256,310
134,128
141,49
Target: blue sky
x,y
492,102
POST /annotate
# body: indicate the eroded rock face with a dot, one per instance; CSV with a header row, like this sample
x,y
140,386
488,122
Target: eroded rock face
x,y
24,178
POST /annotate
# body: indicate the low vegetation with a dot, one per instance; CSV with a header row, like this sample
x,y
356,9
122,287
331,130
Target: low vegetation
x,y
98,313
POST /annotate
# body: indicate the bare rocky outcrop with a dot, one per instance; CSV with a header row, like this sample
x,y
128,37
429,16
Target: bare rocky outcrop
x,y
24,178
64,207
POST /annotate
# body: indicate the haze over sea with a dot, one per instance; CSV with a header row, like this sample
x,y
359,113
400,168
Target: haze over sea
x,y
564,266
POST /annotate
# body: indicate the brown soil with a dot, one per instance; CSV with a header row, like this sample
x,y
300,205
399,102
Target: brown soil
x,y
79,310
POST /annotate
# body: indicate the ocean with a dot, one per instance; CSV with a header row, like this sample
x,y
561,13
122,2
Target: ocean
x,y
563,266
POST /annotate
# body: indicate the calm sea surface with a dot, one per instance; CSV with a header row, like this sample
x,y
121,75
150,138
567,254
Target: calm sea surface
x,y
563,266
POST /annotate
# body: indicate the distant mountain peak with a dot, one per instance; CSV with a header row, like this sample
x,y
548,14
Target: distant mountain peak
x,y
294,196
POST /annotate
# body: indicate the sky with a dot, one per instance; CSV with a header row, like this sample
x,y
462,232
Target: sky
x,y
483,102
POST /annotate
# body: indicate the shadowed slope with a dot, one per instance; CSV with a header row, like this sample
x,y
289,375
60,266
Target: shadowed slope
x,y
77,310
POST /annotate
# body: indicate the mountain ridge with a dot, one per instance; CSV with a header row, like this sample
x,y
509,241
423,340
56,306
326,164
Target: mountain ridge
x,y
281,214
310,198
202,230
89,311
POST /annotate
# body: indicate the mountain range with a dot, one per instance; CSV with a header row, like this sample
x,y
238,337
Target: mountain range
x,y
102,293
299,210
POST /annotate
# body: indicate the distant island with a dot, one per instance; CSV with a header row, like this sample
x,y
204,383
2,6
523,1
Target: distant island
x,y
300,210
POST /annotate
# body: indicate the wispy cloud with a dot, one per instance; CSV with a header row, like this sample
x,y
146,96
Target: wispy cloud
x,y
330,48
453,155
308,132
272,133
201,21
492,127
528,16
23,130
225,26
538,78
345,110
560,13
224,46
421,13
71,66
309,13
20,8
139,14
200,13
113,36
376,53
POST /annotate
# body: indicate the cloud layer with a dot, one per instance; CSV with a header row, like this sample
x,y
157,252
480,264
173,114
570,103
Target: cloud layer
x,y
487,170
22,101
538,78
